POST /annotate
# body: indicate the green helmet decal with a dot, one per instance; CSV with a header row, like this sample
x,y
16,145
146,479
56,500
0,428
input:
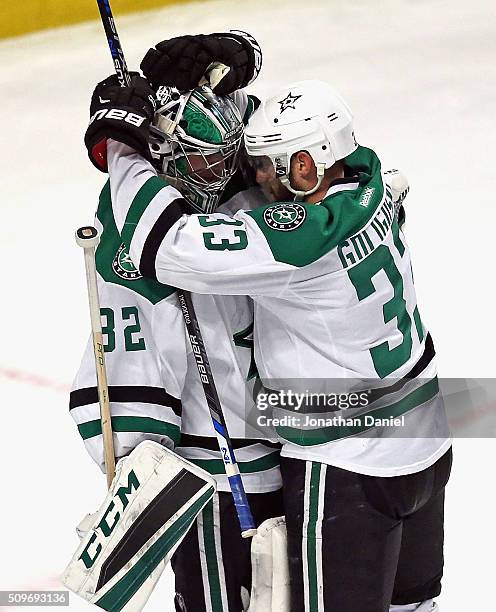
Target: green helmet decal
x,y
198,125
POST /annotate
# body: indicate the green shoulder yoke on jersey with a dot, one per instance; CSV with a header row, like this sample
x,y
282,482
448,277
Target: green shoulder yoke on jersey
x,y
299,233
112,258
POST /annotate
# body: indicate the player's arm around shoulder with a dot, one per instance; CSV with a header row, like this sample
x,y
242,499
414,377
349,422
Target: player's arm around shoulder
x,y
255,252
211,253
215,253
203,253
266,251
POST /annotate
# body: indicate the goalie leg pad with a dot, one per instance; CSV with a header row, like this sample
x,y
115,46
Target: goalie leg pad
x,y
270,591
153,501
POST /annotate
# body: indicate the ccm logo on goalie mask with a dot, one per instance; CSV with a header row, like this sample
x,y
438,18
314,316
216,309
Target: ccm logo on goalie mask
x,y
106,526
119,115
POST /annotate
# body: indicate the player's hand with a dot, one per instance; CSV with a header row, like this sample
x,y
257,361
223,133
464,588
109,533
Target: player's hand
x,y
182,62
121,113
398,183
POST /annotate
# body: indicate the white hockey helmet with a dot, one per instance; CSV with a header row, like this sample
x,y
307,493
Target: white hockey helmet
x,y
304,116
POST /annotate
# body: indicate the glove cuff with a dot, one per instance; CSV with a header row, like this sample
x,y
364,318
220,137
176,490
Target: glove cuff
x,y
253,50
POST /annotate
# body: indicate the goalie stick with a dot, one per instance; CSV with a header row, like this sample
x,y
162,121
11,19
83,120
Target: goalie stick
x,y
241,503
88,238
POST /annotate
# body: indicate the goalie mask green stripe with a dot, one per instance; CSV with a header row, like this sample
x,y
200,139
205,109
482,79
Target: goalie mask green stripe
x,y
138,206
216,466
324,435
117,597
130,424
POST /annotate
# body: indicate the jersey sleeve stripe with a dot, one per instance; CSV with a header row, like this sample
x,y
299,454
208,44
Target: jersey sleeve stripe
x,y
125,394
90,429
176,209
85,414
216,466
138,206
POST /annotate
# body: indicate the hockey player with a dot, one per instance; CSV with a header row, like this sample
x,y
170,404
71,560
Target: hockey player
x,y
155,390
331,279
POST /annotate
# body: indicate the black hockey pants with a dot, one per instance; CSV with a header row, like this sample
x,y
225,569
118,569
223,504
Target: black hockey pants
x,y
358,543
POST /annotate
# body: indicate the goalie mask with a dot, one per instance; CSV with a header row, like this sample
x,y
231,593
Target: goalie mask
x,y
305,116
195,143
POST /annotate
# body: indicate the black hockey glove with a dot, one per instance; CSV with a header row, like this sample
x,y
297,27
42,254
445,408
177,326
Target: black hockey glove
x,y
182,62
121,113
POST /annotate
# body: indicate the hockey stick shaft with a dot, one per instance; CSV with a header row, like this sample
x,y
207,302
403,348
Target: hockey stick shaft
x,y
88,238
241,503
114,42
243,510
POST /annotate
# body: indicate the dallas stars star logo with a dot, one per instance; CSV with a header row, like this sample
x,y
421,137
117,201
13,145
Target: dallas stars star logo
x,y
123,266
288,102
285,217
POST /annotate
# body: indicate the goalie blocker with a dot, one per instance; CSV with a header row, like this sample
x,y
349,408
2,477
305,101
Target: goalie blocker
x,y
154,499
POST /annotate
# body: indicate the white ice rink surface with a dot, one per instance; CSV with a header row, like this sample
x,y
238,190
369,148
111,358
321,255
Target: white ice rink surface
x,y
420,76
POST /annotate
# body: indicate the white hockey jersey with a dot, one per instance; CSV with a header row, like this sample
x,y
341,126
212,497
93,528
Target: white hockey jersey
x,y
154,387
334,299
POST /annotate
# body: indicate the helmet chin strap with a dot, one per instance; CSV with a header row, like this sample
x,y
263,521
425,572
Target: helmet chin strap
x,y
299,195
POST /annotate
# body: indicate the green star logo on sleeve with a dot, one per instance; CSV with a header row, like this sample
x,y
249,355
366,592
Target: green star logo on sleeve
x,y
123,266
285,217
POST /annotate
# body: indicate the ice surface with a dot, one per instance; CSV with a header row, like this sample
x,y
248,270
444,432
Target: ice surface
x,y
420,77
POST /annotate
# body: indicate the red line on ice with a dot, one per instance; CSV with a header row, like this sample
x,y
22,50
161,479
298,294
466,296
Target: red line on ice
x,y
35,380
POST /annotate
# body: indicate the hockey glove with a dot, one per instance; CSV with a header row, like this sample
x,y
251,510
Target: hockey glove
x,y
121,113
182,62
